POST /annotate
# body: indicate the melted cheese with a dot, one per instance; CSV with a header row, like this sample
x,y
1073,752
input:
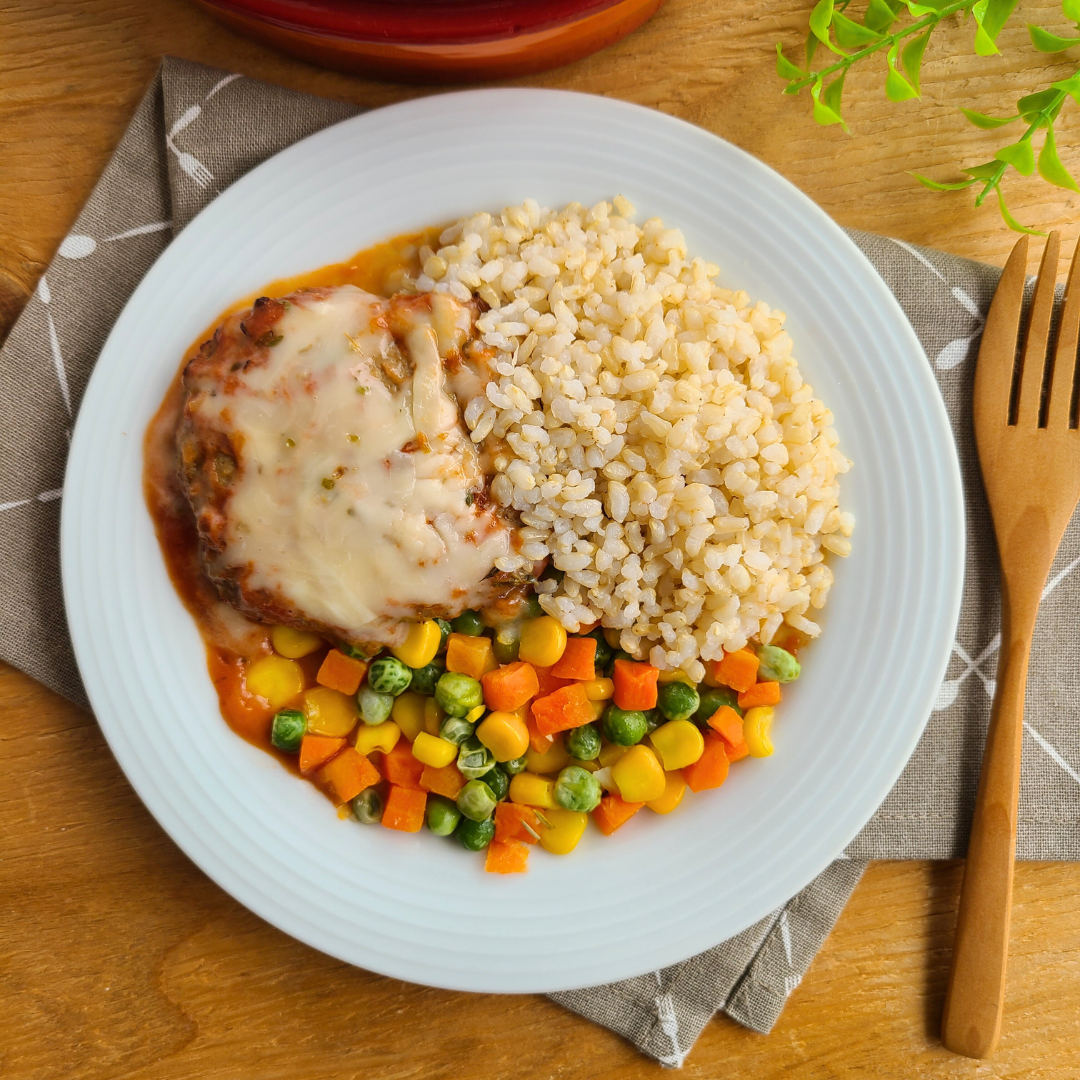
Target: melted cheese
x,y
350,497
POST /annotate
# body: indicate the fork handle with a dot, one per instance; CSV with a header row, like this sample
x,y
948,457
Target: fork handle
x,y
971,1020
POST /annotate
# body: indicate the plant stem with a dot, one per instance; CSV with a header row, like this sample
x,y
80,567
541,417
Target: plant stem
x,y
886,42
1043,117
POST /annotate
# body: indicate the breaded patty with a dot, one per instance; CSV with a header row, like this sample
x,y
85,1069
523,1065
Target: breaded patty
x,y
323,452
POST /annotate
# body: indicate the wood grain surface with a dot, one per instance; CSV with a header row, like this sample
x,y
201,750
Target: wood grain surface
x,y
119,959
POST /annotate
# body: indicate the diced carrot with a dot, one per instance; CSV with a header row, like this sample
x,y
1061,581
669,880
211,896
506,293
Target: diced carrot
x,y
507,857
446,781
341,672
578,660
588,628
565,709
511,686
401,768
511,819
404,809
469,655
316,750
613,812
537,739
711,769
347,774
762,693
635,685
549,683
729,725
737,669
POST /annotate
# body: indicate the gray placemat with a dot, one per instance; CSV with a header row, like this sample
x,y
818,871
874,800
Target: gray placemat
x,y
195,132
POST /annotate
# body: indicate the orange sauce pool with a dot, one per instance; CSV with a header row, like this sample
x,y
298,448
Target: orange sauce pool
x,y
381,270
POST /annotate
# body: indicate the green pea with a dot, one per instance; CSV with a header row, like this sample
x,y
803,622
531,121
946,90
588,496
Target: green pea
x,y
458,694
603,649
518,765
374,707
476,800
506,643
677,701
388,675
468,622
367,807
355,651
476,835
576,789
712,699
288,730
425,678
531,609
474,759
445,629
499,783
456,729
583,743
442,816
653,719
624,726
777,665
616,654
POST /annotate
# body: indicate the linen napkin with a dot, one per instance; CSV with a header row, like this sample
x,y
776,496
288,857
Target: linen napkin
x,y
196,131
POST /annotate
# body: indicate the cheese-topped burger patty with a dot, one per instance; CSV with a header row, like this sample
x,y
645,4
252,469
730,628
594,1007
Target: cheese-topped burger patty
x,y
323,451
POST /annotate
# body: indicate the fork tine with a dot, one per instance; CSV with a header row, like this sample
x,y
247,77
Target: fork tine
x,y
997,353
1063,373
1033,365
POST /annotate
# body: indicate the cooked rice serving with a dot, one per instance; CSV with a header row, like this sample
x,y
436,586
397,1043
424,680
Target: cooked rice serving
x,y
657,437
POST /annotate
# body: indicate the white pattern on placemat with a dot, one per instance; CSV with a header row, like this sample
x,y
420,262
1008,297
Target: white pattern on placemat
x,y
45,496
1052,752
951,687
915,253
669,1024
54,343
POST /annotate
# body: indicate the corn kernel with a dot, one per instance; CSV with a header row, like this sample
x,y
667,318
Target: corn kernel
x,y
421,644
589,766
408,713
276,679
505,735
531,790
433,751
552,760
567,828
433,716
613,637
543,641
474,714
675,676
679,743
294,644
599,689
674,790
639,775
756,725
371,737
610,753
329,712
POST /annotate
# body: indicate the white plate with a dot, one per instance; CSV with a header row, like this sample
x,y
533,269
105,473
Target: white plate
x,y
663,888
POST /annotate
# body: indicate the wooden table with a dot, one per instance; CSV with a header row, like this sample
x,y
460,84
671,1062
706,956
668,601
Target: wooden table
x,y
119,959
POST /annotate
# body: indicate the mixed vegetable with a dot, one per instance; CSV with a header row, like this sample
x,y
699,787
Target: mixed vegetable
x,y
512,736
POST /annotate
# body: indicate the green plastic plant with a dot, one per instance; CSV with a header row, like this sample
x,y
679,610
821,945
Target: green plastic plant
x,y
883,27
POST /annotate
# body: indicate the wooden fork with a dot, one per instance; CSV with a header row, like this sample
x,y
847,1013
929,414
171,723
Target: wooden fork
x,y
1029,451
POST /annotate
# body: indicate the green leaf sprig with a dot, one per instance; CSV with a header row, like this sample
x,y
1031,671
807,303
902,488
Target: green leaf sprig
x,y
906,45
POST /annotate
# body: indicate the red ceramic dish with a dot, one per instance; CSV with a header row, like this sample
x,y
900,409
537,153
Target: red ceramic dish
x,y
436,40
